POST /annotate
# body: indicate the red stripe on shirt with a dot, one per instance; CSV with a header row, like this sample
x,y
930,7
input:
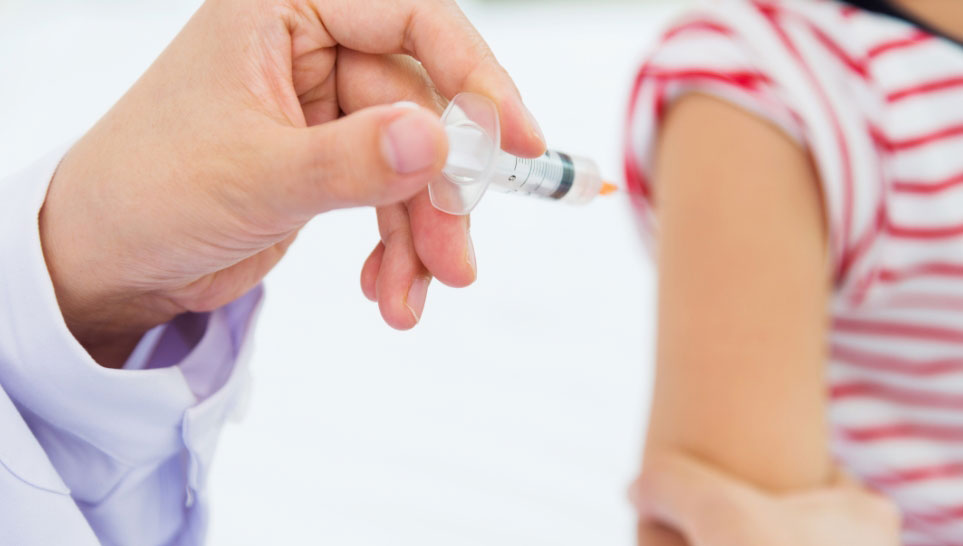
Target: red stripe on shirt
x,y
888,46
907,143
635,180
924,187
924,88
897,329
850,11
909,476
924,233
913,523
889,393
857,66
743,78
882,362
698,26
940,517
948,302
862,246
902,431
661,103
936,269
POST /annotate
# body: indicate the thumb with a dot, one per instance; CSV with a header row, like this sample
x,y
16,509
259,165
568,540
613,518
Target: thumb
x,y
692,498
375,156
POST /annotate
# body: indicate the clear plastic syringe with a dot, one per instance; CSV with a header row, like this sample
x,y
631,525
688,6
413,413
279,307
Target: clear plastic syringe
x,y
476,161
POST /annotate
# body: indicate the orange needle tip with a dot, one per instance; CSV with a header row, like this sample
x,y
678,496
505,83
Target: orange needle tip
x,y
608,188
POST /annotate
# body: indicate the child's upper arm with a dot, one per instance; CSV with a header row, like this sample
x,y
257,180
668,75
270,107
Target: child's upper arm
x,y
743,292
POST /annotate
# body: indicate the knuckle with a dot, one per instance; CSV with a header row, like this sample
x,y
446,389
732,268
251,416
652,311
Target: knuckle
x,y
344,172
397,235
201,296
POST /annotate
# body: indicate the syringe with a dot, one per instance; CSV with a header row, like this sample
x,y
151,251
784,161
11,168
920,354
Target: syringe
x,y
476,161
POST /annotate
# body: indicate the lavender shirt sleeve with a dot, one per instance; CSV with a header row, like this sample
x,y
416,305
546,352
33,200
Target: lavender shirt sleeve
x,y
134,445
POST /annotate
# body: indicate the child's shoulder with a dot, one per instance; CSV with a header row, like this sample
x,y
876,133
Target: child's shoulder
x,y
810,67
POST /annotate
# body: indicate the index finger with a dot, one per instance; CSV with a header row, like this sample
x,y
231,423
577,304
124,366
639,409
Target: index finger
x,y
437,33
441,240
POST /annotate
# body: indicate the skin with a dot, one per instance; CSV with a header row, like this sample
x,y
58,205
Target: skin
x,y
260,115
720,468
947,17
743,268
712,508
184,196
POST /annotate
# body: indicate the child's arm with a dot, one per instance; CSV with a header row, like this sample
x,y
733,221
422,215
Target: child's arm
x,y
743,294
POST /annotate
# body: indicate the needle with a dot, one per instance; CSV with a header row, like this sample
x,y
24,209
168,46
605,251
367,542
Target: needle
x,y
608,188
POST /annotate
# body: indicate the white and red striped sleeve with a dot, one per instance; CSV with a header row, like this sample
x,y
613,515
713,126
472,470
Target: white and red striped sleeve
x,y
788,71
695,55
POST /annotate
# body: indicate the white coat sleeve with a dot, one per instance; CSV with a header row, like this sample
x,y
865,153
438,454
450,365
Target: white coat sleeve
x,y
133,445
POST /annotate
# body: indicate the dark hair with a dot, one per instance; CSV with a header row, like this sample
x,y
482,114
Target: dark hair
x,y
886,7
879,6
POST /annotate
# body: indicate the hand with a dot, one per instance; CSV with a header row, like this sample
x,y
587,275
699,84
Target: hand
x,y
712,509
260,115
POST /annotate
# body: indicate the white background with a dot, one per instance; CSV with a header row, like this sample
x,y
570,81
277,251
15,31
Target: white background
x,y
513,414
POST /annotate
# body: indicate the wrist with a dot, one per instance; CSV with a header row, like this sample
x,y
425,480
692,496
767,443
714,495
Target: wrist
x,y
105,318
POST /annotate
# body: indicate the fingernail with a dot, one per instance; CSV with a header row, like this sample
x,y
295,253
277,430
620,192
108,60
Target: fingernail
x,y
409,143
417,294
470,258
536,128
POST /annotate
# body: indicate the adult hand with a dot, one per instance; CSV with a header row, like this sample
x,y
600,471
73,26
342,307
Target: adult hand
x,y
260,115
709,508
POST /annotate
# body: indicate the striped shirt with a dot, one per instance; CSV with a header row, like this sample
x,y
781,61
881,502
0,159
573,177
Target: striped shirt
x,y
878,104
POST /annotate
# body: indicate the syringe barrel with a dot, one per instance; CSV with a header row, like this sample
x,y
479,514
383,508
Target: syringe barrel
x,y
554,175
